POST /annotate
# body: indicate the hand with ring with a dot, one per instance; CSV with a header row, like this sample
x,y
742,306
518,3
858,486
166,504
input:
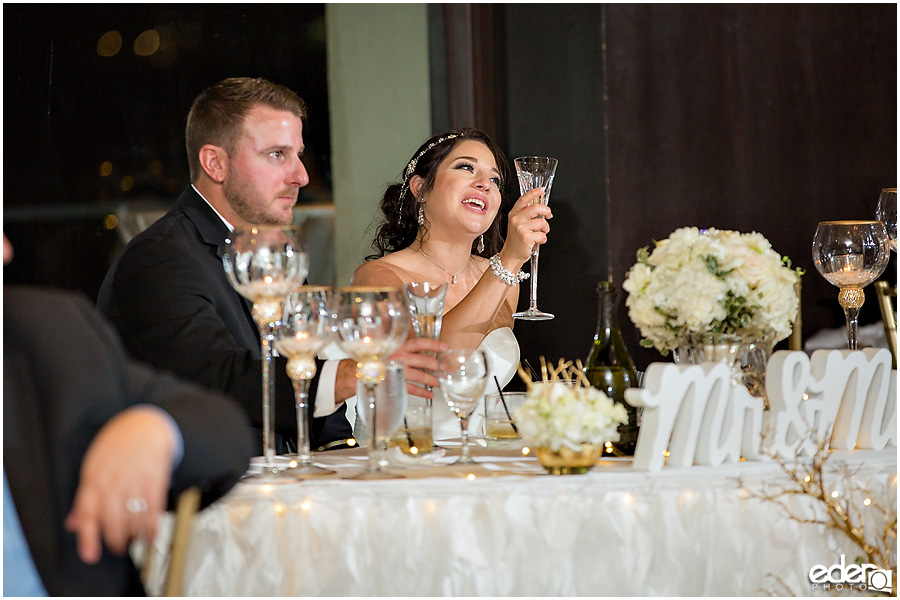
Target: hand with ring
x,y
125,477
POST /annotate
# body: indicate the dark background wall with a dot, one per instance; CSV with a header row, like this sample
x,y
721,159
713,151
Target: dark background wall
x,y
747,117
68,108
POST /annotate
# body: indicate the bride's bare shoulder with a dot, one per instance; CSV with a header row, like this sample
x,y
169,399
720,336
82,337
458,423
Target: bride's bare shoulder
x,y
387,270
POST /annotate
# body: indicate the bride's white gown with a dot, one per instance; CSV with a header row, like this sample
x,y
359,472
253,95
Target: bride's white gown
x,y
502,350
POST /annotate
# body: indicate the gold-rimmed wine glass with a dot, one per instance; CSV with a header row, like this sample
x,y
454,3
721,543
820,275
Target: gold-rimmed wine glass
x,y
264,263
850,255
534,172
887,214
303,331
370,324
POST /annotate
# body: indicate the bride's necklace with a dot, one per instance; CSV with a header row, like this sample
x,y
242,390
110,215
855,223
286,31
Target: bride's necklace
x,y
436,263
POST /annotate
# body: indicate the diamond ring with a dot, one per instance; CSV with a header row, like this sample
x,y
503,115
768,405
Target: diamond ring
x,y
136,505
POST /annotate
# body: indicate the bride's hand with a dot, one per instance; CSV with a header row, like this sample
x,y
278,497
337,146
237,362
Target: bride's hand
x,y
527,226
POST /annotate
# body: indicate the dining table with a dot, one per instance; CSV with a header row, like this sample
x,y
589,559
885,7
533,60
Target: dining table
x,y
504,526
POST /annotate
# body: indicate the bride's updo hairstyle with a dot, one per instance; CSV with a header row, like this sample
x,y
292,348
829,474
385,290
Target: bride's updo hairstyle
x,y
399,209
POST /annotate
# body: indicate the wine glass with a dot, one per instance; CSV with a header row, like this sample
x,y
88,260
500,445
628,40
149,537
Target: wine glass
x,y
390,402
370,324
535,171
264,263
887,214
303,331
850,255
463,375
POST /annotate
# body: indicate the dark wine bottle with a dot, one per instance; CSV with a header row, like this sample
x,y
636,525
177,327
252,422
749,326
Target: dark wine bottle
x,y
609,367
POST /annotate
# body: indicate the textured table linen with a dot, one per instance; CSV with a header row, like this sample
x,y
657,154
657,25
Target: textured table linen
x,y
512,530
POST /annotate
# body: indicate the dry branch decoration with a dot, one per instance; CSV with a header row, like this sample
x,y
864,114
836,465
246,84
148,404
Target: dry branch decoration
x,y
868,521
565,370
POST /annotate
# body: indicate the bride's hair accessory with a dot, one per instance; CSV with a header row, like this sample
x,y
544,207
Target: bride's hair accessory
x,y
411,166
505,275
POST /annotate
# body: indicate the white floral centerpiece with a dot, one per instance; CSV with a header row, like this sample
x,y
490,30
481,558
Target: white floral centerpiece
x,y
711,283
565,420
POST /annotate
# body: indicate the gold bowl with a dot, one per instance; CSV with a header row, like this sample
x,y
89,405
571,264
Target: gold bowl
x,y
566,461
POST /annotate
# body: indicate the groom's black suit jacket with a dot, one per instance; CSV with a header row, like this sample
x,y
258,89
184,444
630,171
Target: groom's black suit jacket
x,y
173,306
65,375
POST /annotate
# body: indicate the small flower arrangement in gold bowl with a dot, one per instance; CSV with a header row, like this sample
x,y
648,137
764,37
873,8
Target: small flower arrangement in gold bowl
x,y
565,420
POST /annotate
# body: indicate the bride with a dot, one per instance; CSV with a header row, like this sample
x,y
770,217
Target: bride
x,y
442,223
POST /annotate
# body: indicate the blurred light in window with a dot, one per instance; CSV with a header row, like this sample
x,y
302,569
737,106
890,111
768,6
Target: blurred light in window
x,y
105,168
110,222
109,44
156,167
127,183
147,43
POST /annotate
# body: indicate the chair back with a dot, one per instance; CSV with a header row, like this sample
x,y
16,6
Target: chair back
x,y
887,298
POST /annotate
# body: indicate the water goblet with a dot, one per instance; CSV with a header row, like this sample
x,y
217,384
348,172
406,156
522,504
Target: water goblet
x,y
887,214
303,331
264,263
462,374
533,172
369,324
850,255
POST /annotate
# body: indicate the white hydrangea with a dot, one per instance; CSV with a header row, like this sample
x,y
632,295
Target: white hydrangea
x,y
711,281
556,414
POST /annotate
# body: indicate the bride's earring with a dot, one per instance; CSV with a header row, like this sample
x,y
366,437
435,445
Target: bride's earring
x,y
421,218
480,244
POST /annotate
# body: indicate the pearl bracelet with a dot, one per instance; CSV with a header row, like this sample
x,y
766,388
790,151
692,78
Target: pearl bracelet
x,y
505,275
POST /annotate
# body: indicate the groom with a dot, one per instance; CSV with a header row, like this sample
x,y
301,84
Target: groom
x,y
167,292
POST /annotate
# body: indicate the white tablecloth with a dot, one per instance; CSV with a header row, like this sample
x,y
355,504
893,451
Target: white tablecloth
x,y
514,531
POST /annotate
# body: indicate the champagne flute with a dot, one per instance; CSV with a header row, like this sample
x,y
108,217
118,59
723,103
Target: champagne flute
x,y
264,263
463,374
303,331
850,255
533,172
426,309
370,324
887,213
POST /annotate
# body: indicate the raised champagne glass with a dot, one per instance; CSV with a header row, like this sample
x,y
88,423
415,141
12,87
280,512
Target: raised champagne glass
x,y
303,331
850,255
370,324
534,172
462,374
264,263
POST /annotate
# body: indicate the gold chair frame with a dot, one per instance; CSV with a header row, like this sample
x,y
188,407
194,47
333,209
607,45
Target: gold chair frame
x,y
187,506
886,292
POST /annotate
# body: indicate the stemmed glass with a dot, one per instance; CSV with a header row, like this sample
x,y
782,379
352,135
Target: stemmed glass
x,y
391,408
303,331
426,307
533,172
426,310
887,214
463,375
264,263
370,324
850,255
